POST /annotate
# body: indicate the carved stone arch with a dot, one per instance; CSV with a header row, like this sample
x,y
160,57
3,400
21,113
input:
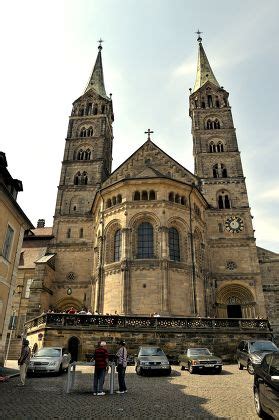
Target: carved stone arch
x,y
80,126
223,199
134,223
110,231
67,302
83,146
183,229
235,300
212,118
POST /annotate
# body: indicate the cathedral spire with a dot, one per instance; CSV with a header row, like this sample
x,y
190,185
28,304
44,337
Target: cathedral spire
x,y
204,71
96,80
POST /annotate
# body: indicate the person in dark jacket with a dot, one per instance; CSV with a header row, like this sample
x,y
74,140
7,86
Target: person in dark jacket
x,y
24,360
101,363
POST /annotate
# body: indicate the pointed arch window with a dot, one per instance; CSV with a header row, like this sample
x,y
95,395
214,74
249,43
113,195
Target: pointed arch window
x,y
87,154
212,147
174,247
95,110
219,171
145,241
216,124
80,154
117,245
83,132
220,147
137,195
209,125
89,132
89,109
152,195
224,201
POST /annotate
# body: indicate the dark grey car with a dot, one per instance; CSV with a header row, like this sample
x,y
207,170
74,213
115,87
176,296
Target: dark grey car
x,y
250,353
152,359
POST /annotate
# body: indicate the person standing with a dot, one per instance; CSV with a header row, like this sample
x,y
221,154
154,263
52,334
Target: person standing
x,y
24,360
121,367
101,363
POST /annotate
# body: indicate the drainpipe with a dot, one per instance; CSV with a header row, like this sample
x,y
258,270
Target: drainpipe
x,y
193,256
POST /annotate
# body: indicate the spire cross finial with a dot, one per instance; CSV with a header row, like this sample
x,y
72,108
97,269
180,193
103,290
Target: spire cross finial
x,y
199,33
100,43
148,132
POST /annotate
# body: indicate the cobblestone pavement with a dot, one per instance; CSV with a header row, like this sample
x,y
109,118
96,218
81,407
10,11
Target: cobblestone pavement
x,y
198,396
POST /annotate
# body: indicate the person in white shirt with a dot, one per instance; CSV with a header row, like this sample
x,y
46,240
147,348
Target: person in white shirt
x,y
121,367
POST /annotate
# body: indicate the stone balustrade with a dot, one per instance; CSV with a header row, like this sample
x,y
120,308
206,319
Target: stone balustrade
x,y
116,322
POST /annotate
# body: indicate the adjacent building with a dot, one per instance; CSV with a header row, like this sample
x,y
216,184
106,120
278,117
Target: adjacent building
x,y
13,223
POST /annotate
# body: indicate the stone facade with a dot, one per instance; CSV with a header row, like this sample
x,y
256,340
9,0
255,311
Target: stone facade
x,y
152,236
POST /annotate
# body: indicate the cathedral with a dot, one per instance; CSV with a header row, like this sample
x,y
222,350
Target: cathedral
x,y
151,236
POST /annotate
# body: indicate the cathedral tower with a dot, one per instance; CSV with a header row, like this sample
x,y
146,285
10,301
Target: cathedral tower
x,y
86,164
234,269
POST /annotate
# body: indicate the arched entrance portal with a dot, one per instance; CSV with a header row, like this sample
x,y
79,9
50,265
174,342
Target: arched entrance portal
x,y
235,301
73,347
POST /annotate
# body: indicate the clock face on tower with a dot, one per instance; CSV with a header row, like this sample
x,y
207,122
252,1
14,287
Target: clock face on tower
x,y
234,224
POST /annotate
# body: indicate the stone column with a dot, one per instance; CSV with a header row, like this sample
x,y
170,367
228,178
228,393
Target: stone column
x,y
125,272
165,269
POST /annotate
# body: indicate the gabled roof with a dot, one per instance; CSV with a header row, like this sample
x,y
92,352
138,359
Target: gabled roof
x,y
149,161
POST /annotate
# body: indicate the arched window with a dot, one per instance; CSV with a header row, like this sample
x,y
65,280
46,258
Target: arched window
x,y
171,196
144,195
87,154
209,125
216,124
220,147
203,104
90,131
81,112
103,109
217,103
68,232
108,203
117,246
174,248
224,171
212,147
177,198
80,154
83,178
119,198
95,110
215,171
77,178
89,109
83,132
113,201
224,201
137,195
81,233
145,240
152,195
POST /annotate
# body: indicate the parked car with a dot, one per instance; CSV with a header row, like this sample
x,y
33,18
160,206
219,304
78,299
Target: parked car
x,y
197,359
50,359
152,359
266,386
250,353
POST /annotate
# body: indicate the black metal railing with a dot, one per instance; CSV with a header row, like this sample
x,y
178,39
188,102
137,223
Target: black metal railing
x,y
57,320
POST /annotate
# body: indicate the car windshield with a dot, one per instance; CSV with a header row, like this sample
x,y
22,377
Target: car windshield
x,y
199,352
48,352
263,346
151,351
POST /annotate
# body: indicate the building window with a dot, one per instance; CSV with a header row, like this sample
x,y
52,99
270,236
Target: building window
x,y
224,201
81,233
144,195
108,203
137,195
89,132
145,240
152,195
174,248
8,242
83,132
117,246
69,233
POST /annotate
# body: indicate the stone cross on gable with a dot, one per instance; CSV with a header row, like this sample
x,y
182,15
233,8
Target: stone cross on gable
x,y
148,132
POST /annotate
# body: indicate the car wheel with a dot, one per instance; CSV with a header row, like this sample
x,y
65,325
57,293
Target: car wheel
x,y
250,368
168,372
240,367
182,367
138,370
191,368
258,406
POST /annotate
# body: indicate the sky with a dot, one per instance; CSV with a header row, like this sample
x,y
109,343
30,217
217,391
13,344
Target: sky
x,y
149,55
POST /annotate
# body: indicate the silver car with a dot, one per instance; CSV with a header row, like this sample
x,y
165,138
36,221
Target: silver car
x,y
50,359
152,359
